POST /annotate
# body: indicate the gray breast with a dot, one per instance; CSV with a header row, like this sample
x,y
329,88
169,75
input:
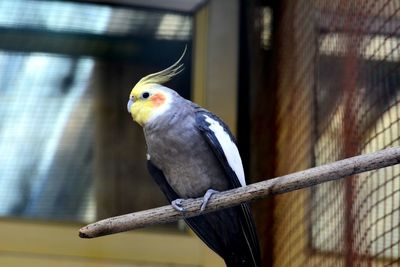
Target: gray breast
x,y
178,148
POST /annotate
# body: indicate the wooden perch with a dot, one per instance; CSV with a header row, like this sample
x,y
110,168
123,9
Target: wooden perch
x,y
279,185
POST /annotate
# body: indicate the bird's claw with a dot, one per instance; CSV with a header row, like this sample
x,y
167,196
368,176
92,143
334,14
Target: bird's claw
x,y
177,204
207,197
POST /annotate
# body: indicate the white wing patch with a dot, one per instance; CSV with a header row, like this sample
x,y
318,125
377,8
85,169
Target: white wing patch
x,y
228,146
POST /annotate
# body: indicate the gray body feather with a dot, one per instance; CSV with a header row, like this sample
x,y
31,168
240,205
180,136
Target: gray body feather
x,y
186,160
177,147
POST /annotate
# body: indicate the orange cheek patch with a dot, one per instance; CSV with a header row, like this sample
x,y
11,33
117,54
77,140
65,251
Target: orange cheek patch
x,y
158,99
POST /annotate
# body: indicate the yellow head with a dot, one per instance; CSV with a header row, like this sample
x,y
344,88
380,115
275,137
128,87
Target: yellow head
x,y
148,101
149,98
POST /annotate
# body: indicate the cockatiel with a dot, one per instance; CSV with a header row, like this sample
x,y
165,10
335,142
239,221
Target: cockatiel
x,y
192,153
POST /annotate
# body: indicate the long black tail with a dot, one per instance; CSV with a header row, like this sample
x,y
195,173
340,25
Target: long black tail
x,y
231,234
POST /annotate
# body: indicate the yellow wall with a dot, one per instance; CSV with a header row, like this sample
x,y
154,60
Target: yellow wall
x,y
215,68
27,243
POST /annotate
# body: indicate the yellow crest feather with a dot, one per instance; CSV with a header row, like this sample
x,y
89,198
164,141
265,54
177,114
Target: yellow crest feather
x,y
164,75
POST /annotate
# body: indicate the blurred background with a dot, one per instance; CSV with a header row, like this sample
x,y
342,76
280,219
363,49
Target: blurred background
x,y
300,83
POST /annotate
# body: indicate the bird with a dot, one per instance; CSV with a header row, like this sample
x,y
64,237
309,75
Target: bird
x,y
192,153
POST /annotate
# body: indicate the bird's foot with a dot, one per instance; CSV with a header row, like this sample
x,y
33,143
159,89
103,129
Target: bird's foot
x,y
177,204
206,198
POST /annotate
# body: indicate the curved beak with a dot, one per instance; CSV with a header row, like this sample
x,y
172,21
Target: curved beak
x,y
128,106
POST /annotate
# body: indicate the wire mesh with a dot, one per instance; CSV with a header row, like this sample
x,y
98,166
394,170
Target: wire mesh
x,y
338,96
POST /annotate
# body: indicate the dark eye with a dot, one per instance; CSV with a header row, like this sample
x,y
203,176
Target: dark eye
x,y
145,95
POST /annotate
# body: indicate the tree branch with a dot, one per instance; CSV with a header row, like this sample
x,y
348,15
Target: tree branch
x,y
279,185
